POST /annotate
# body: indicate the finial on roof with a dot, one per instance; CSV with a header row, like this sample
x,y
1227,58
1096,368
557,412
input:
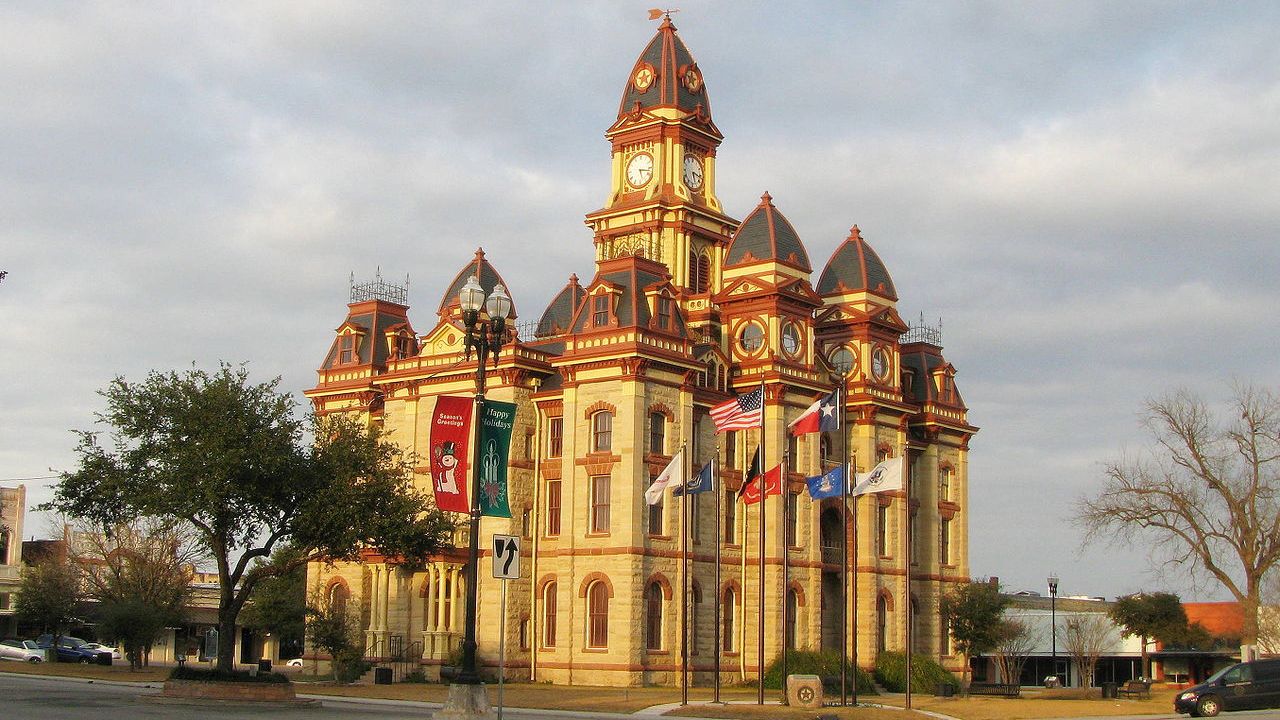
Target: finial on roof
x,y
855,233
479,253
766,198
573,278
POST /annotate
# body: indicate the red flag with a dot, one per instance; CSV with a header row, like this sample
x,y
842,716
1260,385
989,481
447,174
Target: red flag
x,y
450,431
772,486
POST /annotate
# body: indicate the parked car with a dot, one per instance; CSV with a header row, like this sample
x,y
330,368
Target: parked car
x,y
295,662
70,649
28,650
115,652
1244,686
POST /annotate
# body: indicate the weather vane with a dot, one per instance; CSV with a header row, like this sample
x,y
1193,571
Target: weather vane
x,y
655,13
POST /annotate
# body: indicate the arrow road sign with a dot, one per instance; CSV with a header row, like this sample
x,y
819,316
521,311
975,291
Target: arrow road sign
x,y
506,557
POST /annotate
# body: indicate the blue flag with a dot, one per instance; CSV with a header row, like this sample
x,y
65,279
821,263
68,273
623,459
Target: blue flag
x,y
827,485
700,483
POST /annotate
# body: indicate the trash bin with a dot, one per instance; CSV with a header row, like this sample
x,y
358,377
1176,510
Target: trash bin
x,y
382,676
264,665
945,690
1110,690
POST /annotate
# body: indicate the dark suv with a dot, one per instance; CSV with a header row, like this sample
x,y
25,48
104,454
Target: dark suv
x,y
1245,686
71,649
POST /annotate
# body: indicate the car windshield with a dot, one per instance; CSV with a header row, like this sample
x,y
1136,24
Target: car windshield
x,y
30,644
1218,675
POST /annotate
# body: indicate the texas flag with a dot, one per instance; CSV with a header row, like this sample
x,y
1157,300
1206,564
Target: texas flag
x,y
819,417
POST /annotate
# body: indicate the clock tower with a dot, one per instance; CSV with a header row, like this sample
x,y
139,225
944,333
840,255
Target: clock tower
x,y
662,202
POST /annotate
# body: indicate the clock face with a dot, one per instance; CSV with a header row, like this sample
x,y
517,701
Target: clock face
x,y
692,172
880,363
790,339
640,169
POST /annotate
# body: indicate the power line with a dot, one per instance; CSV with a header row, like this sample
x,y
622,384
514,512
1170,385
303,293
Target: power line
x,y
37,477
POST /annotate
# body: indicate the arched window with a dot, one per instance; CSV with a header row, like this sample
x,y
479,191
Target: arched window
x,y
338,597
602,431
793,605
4,548
598,615
882,622
699,272
549,615
653,617
791,512
727,609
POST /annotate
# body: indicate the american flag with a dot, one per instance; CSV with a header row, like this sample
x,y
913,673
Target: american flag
x,y
740,413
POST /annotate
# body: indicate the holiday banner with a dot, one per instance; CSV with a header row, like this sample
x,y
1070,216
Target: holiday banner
x,y
450,431
495,446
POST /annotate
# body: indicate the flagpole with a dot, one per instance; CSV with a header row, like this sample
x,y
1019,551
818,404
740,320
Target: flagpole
x,y
844,558
764,502
906,491
719,491
786,591
684,579
852,468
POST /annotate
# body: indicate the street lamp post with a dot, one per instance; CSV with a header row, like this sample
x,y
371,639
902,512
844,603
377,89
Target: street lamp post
x,y
1053,622
485,335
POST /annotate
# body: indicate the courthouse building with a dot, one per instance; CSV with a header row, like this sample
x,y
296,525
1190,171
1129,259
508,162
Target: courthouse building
x,y
685,307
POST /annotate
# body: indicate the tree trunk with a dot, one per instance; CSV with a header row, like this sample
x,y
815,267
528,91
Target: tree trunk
x,y
226,639
1249,608
1146,658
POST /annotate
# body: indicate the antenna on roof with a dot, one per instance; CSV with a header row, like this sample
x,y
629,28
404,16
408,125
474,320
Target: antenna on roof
x,y
655,13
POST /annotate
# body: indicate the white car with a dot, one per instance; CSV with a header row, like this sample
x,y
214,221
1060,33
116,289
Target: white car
x,y
296,662
115,652
26,650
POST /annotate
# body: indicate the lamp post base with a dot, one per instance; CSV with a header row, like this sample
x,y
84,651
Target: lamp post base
x,y
467,702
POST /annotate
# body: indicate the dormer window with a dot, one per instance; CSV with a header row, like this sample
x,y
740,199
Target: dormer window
x,y
664,312
600,310
346,349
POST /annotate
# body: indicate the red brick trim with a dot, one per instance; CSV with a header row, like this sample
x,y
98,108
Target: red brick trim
x,y
592,578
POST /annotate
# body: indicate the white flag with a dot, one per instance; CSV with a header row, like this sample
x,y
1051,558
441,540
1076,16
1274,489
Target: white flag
x,y
888,475
670,475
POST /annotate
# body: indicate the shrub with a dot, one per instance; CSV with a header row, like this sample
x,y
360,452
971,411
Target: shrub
x,y
823,663
926,673
349,665
214,675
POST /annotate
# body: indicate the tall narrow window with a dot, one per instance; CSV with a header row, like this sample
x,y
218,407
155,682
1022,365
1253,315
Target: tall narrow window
x,y
653,617
944,484
657,433
347,350
699,272
695,602
730,536
600,307
791,511
825,455
793,606
598,615
727,609
555,437
695,517
882,529
600,504
664,313
913,526
653,522
731,449
882,622
526,524
549,615
944,541
793,453
553,508
338,595
602,431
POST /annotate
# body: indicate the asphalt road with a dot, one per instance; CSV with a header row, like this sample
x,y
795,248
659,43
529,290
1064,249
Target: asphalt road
x,y
24,697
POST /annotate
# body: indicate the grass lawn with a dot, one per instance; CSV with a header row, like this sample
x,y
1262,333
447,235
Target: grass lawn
x,y
1034,703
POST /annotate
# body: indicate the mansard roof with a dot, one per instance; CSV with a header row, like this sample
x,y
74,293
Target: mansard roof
x,y
766,236
558,317
672,75
925,361
372,320
487,275
854,266
631,278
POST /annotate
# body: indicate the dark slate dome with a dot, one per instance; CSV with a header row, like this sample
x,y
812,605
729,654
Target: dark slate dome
x,y
855,266
487,275
767,235
665,75
558,316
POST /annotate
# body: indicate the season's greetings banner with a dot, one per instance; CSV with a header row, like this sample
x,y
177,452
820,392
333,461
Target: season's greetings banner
x,y
495,446
450,431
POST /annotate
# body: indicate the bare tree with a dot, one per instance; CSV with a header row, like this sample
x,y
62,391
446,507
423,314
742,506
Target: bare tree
x,y
1087,636
1017,639
1208,492
1269,615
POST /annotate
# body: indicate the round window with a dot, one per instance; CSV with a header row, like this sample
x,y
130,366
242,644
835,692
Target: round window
x,y
790,338
880,363
842,360
751,338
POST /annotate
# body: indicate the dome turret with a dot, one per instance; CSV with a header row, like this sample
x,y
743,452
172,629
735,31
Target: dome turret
x,y
765,236
665,75
855,267
487,275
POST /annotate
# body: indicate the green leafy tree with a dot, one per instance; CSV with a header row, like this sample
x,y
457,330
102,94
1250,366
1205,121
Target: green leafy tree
x,y
49,596
334,631
1205,493
140,574
1150,616
229,458
974,612
279,604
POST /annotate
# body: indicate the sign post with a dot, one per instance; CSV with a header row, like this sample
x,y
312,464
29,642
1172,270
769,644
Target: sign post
x,y
506,566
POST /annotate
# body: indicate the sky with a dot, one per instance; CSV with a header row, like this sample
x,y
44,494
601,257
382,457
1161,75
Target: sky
x,y
1085,193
